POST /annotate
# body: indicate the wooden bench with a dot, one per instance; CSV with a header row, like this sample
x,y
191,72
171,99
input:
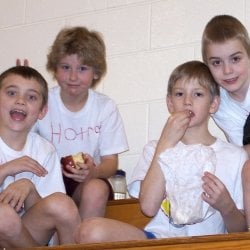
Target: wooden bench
x,y
129,211
235,241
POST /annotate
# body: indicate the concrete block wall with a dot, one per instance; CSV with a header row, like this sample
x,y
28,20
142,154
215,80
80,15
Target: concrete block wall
x,y
145,39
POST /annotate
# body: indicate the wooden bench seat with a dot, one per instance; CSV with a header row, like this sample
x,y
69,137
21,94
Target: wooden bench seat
x,y
129,211
235,241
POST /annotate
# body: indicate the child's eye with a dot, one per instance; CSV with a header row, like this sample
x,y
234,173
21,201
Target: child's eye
x,y
11,93
64,67
178,94
235,59
199,94
32,97
82,68
216,63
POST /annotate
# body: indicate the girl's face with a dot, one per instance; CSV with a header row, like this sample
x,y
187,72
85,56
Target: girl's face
x,y
188,94
230,66
20,104
73,77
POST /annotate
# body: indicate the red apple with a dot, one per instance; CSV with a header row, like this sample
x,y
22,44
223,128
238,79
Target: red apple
x,y
72,160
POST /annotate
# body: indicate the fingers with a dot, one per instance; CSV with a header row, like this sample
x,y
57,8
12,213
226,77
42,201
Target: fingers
x,y
19,63
31,165
213,188
26,62
78,175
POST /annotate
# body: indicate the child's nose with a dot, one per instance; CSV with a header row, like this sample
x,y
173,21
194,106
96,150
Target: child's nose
x,y
188,101
20,100
73,75
227,69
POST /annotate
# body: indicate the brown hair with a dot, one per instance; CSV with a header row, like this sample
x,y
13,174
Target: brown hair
x,y
28,73
222,28
194,70
87,45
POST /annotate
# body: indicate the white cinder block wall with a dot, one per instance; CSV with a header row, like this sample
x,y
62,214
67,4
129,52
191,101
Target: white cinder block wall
x,y
145,39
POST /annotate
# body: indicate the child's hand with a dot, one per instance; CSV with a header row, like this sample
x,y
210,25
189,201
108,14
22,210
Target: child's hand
x,y
82,174
174,129
16,193
23,164
216,194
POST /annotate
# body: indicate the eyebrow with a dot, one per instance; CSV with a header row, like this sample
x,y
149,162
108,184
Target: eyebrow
x,y
234,54
29,90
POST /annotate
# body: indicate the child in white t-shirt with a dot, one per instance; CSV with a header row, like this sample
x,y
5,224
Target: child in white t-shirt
x,y
33,203
192,97
80,119
226,51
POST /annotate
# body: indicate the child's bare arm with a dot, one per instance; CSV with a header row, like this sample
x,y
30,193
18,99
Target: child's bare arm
x,y
246,190
217,195
22,164
152,191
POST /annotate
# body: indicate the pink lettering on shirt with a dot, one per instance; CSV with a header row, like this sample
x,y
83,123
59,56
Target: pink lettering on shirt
x,y
71,134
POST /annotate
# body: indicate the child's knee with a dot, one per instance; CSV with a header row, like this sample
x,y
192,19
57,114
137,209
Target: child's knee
x,y
90,230
96,188
61,205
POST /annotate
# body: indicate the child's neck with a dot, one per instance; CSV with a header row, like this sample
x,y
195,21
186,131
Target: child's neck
x,y
74,103
197,137
16,141
239,95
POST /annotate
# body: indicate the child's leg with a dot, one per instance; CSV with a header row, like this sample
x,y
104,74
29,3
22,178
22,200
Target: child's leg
x,y
96,230
12,232
54,213
92,198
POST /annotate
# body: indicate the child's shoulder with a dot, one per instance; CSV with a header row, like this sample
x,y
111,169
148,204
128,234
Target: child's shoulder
x,y
100,99
37,141
228,148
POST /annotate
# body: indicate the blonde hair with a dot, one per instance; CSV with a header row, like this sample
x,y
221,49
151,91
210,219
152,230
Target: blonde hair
x,y
194,70
222,28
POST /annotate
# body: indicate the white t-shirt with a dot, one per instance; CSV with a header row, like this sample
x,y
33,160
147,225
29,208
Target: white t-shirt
x,y
42,151
231,116
97,129
229,162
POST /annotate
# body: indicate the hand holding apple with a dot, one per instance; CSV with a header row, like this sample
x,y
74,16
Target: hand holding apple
x,y
73,160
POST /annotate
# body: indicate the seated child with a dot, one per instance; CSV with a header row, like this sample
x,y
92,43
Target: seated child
x,y
192,97
80,119
33,203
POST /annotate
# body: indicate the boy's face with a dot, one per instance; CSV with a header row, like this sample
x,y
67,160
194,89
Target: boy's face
x,y
20,103
189,95
73,77
230,66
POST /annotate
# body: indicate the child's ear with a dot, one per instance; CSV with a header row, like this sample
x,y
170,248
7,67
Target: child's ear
x,y
43,112
169,104
214,105
96,76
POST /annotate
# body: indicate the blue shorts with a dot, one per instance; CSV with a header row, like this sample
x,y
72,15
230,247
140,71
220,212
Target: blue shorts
x,y
149,235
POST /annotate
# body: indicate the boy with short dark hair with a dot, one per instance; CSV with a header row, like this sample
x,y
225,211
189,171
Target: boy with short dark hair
x,y
32,198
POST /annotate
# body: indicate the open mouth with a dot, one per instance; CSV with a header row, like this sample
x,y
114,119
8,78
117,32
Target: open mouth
x,y
17,114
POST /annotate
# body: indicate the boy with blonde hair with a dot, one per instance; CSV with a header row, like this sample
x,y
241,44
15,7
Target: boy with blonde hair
x,y
192,97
